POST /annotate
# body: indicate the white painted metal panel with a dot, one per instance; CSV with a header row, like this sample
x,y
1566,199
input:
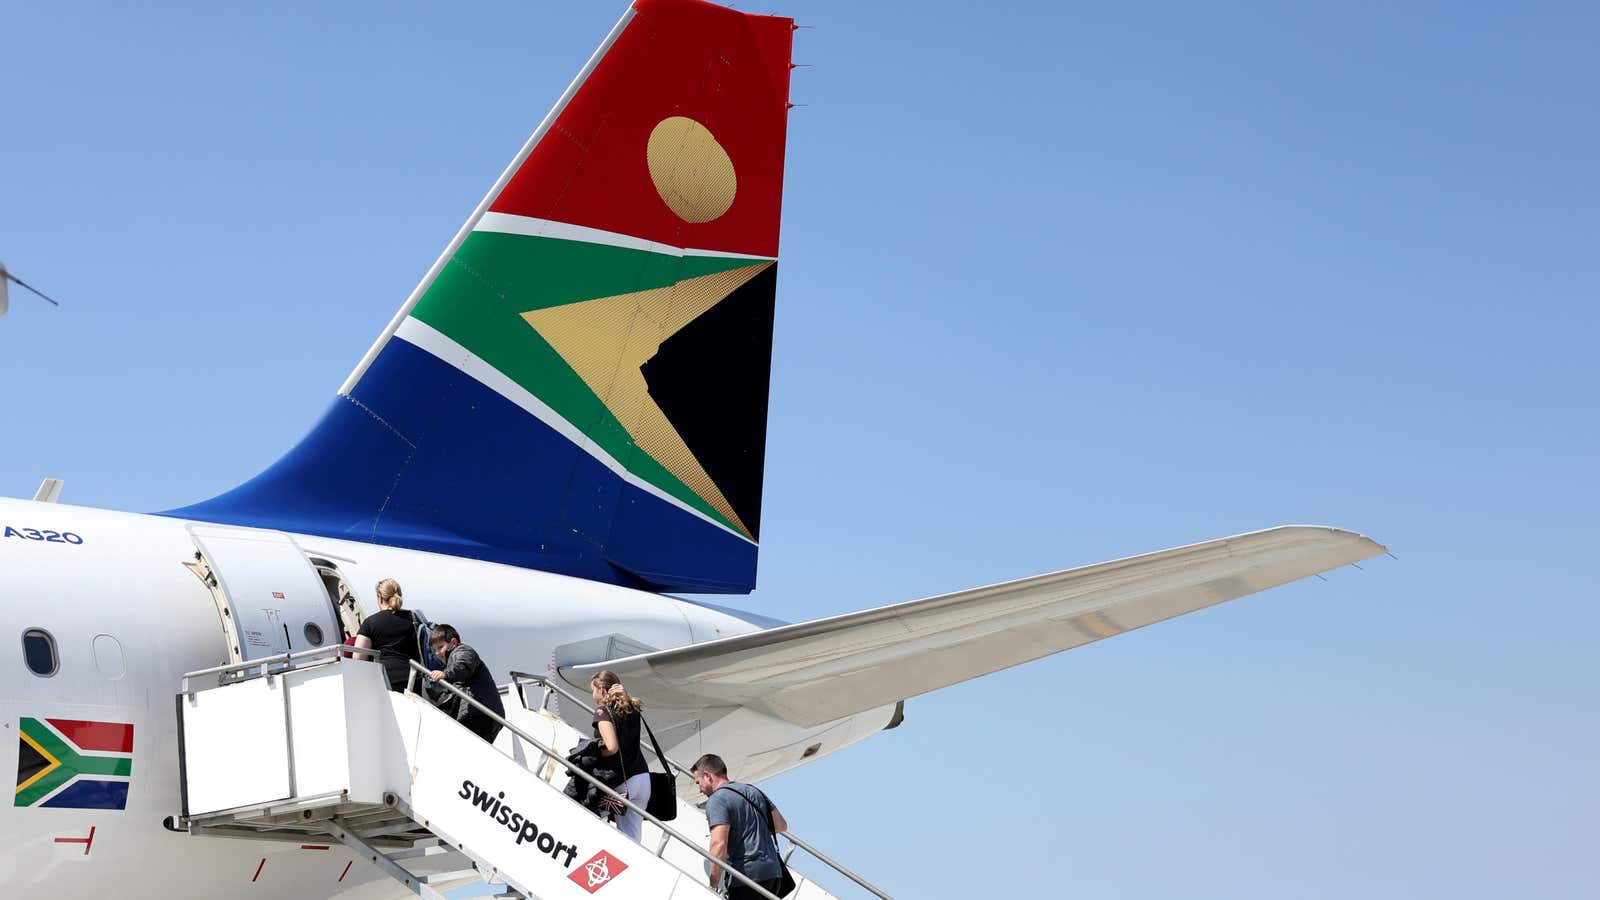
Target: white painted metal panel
x,y
318,731
545,727
343,732
275,597
377,758
453,770
236,746
108,657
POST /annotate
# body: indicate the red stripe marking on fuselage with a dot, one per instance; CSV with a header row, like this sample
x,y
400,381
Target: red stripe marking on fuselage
x,y
346,869
313,846
259,868
104,737
86,842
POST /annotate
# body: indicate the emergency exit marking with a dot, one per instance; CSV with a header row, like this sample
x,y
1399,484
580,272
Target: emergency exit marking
x,y
86,842
346,869
277,595
259,868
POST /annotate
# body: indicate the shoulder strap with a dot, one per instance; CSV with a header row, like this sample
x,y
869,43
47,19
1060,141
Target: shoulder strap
x,y
772,829
660,755
421,629
621,758
621,761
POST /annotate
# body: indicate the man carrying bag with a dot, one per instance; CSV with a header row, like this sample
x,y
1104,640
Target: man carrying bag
x,y
744,827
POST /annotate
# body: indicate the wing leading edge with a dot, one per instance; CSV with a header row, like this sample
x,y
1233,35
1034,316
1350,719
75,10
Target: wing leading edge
x,y
820,671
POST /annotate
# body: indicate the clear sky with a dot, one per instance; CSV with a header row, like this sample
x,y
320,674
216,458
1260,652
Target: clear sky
x,y
1060,283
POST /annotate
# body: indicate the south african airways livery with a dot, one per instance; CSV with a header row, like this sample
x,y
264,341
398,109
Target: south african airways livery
x,y
564,421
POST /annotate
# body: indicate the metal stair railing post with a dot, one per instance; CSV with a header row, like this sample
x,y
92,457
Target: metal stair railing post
x,y
418,668
550,684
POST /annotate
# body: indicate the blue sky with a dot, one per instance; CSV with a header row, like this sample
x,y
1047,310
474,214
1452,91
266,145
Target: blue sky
x,y
1060,283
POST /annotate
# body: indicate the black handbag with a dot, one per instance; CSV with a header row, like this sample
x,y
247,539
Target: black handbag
x,y
786,883
663,785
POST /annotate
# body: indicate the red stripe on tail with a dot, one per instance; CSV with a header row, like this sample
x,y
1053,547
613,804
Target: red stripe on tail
x,y
724,69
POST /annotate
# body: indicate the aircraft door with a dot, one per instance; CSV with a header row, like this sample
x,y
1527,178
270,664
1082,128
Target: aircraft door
x,y
271,599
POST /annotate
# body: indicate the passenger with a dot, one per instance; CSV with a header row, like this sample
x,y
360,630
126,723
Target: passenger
x,y
393,633
743,822
616,725
465,669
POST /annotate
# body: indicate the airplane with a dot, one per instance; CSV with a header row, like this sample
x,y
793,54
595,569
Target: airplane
x,y
562,428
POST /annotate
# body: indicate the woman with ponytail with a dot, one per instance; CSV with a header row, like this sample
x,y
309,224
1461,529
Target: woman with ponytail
x,y
393,633
616,726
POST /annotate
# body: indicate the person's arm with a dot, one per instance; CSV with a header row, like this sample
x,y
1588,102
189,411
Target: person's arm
x,y
608,734
778,820
364,637
719,849
459,667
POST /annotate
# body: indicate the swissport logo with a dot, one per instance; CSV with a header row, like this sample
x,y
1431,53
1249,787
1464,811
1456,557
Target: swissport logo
x,y
526,830
598,872
73,764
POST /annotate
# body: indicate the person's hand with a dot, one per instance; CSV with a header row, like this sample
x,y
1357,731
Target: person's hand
x,y
435,675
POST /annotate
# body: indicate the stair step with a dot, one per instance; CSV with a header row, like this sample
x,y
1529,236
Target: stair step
x,y
428,862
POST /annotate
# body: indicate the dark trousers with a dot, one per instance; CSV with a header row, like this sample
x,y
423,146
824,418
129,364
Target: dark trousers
x,y
738,891
482,726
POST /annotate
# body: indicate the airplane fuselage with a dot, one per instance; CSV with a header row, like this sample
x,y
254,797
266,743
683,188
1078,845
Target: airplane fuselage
x,y
128,618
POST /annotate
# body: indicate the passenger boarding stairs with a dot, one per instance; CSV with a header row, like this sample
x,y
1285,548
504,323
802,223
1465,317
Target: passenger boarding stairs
x,y
314,746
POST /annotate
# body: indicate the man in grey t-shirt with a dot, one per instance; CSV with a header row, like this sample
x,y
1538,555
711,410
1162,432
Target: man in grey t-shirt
x,y
738,815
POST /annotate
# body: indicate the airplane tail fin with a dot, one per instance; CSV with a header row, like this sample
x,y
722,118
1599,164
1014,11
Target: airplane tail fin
x,y
579,383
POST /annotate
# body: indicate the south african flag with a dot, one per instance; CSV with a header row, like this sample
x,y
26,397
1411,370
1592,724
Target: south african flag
x,y
73,764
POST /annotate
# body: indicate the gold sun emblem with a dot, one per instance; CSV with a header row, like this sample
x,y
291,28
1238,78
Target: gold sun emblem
x,y
691,171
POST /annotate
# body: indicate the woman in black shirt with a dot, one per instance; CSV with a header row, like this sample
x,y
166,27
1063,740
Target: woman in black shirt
x,y
393,633
616,724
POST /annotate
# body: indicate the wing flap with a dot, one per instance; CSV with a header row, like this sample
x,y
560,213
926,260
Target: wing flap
x,y
816,672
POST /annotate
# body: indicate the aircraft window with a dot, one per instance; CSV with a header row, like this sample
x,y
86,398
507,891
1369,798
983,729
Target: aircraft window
x,y
313,634
39,650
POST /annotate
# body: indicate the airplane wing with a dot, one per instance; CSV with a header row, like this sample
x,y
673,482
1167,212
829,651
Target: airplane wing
x,y
819,671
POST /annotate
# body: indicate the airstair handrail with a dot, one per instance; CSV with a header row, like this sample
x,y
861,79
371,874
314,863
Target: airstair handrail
x,y
419,669
287,660
835,865
554,684
551,684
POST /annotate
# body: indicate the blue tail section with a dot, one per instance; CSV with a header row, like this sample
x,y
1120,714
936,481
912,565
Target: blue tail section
x,y
424,456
